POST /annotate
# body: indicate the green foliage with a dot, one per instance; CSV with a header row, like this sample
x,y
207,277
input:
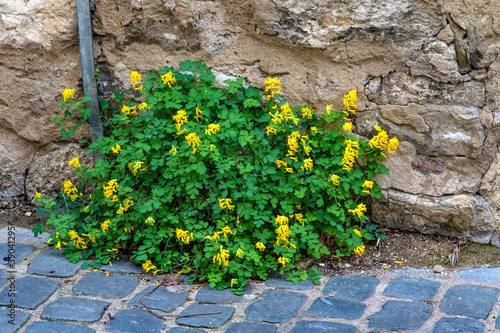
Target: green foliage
x,y
224,184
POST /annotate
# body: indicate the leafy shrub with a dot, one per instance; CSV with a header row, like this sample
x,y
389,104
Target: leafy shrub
x,y
225,184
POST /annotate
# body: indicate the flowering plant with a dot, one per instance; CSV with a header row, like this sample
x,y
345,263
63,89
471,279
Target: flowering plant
x,y
224,184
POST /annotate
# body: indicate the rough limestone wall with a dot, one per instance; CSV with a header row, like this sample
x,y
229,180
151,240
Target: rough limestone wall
x,y
427,71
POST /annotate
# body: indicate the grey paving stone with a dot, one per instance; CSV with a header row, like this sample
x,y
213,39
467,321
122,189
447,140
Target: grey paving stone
x,y
30,292
322,327
113,285
74,309
497,325
249,327
413,271
336,308
470,301
185,330
135,321
24,235
183,278
124,265
3,277
458,325
284,284
401,315
6,317
21,251
51,327
355,287
480,274
278,306
160,299
211,295
53,263
416,289
208,321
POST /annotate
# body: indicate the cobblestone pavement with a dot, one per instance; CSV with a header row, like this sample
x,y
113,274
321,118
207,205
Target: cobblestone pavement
x,y
53,295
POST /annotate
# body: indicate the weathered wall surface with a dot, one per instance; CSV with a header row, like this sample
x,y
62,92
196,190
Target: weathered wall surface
x,y
427,71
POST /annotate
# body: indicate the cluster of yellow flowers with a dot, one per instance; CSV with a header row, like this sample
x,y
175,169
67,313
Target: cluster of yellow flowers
x,y
193,141
180,119
148,266
308,164
173,151
71,190
261,247
168,78
283,231
367,185
78,242
381,141
105,225
335,180
116,149
150,221
212,129
128,110
358,210
283,260
68,93
226,204
135,80
271,130
307,113
351,152
75,163
240,253
123,209
109,188
350,107
359,250
273,86
144,106
136,167
183,235
222,257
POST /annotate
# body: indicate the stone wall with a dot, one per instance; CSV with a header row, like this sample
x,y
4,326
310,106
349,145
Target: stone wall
x,y
427,71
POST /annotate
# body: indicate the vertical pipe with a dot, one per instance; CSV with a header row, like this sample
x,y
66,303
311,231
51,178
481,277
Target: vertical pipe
x,y
88,69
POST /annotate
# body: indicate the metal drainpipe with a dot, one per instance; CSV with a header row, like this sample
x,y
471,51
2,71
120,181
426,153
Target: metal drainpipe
x,y
88,70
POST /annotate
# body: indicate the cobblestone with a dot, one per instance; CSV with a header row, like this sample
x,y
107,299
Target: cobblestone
x,y
19,251
53,289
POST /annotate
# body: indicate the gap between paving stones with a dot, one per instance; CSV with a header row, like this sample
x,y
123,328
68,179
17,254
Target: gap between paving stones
x,y
374,304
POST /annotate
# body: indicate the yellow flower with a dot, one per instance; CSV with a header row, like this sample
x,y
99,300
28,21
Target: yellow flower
x,y
135,79
147,266
314,129
281,220
183,235
199,114
351,152
222,257
226,203
359,250
75,163
212,147
68,93
392,146
271,130
70,190
284,234
116,149
306,113
128,110
329,109
214,238
274,85
358,210
283,260
357,232
193,141
173,151
347,127
150,221
380,140
58,246
280,163
110,188
350,101
168,78
308,164
180,119
234,281
261,247
335,180
287,114
136,167
212,129
368,185
240,253
226,230
37,196
105,226
289,170
144,106
300,217
276,118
